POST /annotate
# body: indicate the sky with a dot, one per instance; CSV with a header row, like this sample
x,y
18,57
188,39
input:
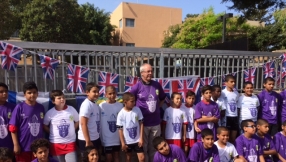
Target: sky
x,y
187,6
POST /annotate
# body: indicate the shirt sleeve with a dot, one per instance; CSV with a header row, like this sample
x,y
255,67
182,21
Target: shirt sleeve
x,y
198,112
140,116
134,90
277,143
162,94
272,146
194,154
185,120
217,112
75,114
239,146
234,152
165,115
239,103
119,119
215,154
16,116
85,110
47,118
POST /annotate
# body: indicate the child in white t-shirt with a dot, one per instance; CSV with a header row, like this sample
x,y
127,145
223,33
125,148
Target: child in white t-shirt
x,y
248,104
216,97
89,119
227,151
130,124
189,109
61,122
175,122
108,133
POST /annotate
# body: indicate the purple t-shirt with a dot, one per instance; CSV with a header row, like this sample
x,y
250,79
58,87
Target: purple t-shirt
x,y
203,109
176,153
250,149
29,122
283,106
148,99
50,160
5,115
199,153
266,144
280,145
269,106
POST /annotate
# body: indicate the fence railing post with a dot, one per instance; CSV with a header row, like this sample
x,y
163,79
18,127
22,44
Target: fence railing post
x,y
161,72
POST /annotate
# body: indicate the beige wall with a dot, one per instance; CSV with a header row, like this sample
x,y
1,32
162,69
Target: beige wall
x,y
150,23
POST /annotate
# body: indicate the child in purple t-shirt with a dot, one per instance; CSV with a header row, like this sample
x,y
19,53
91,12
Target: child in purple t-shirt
x,y
6,110
206,113
247,144
280,144
6,155
205,150
40,148
270,103
167,152
26,123
265,140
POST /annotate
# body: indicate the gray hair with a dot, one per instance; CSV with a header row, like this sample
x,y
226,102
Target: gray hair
x,y
142,67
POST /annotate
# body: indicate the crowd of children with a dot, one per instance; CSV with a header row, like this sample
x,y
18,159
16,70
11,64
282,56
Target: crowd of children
x,y
224,126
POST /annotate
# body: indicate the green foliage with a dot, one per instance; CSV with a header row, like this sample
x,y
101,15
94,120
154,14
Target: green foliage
x,y
170,36
7,19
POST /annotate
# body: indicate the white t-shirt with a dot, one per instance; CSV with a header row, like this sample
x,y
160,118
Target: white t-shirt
x,y
90,110
230,100
108,114
175,118
221,104
248,107
227,153
190,114
61,125
130,123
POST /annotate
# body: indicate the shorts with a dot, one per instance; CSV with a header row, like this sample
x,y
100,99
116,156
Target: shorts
x,y
25,157
177,142
111,149
134,147
273,129
232,123
96,144
189,142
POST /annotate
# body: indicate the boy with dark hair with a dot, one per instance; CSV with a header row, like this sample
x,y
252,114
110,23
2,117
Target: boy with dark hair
x,y
6,110
270,103
130,125
167,152
231,96
265,140
61,123
217,98
247,144
280,144
89,119
26,123
207,113
6,155
205,150
40,148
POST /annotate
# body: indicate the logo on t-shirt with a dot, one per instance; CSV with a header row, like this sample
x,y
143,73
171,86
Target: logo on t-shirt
x,y
9,115
41,115
71,118
157,92
112,123
132,130
232,106
34,125
177,125
63,128
3,128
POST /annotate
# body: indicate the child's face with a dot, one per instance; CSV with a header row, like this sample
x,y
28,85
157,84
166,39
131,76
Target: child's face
x,y
42,154
177,100
223,136
110,94
163,148
93,156
250,128
248,89
284,128
269,85
93,93
60,100
208,141
130,103
230,83
263,128
3,94
216,93
31,95
207,95
190,100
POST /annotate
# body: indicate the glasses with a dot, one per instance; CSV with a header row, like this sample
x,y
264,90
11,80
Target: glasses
x,y
251,126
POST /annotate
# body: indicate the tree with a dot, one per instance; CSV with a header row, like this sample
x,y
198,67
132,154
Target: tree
x,y
7,19
53,21
170,36
98,25
205,30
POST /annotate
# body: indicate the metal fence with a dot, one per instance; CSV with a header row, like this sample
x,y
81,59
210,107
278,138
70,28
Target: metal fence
x,y
127,60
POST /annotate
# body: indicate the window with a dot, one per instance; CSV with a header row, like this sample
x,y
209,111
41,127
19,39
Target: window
x,y
129,22
120,23
130,44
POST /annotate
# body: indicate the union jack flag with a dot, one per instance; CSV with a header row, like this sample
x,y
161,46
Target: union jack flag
x,y
207,81
48,65
77,78
10,55
283,61
269,69
249,75
107,79
188,84
223,79
166,85
130,81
